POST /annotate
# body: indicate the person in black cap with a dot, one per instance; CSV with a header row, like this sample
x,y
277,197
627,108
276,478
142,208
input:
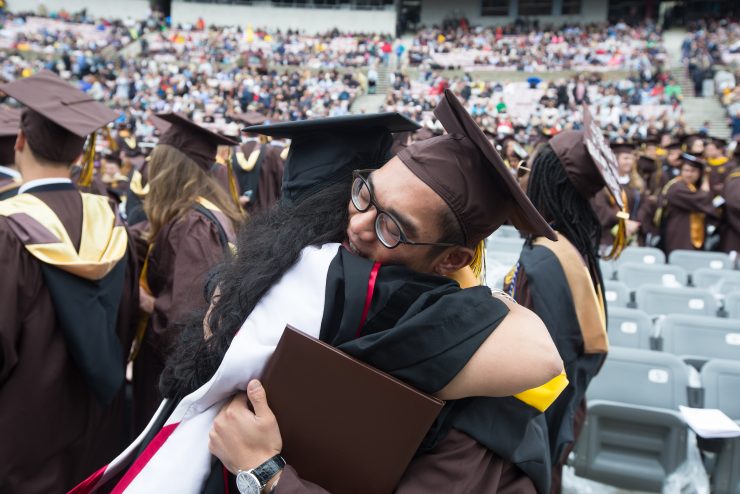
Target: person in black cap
x,y
192,221
69,299
313,210
561,281
685,205
10,178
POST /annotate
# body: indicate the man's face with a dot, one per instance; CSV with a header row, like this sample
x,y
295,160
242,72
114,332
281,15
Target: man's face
x,y
711,151
416,207
674,157
690,174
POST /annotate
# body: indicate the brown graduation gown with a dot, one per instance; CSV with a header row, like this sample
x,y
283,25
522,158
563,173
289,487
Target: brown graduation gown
x,y
730,232
184,252
271,178
683,209
54,432
717,172
606,210
457,465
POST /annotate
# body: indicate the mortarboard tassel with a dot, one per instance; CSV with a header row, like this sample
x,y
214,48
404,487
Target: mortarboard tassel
x,y
112,144
88,163
479,261
233,188
620,237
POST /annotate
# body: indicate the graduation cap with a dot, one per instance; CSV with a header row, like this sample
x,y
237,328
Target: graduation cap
x,y
718,141
465,170
325,151
196,142
591,165
248,118
692,160
10,121
622,147
674,144
160,125
690,139
59,116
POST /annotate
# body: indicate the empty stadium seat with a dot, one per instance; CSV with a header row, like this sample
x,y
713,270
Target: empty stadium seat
x,y
608,269
634,436
720,280
629,328
691,260
732,304
635,274
616,294
658,300
507,231
705,337
643,255
721,379
504,244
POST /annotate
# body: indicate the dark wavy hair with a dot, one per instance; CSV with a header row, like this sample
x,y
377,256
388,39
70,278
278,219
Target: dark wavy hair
x,y
266,248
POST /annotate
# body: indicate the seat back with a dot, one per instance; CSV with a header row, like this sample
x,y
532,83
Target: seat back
x,y
629,328
691,260
643,255
504,244
721,380
732,304
616,294
717,280
506,231
659,300
701,336
608,269
635,274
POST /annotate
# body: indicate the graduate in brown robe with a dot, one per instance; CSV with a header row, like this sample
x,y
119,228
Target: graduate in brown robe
x,y
69,292
10,178
686,206
192,221
730,229
719,166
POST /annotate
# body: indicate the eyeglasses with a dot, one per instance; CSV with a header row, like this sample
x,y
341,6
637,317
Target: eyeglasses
x,y
387,228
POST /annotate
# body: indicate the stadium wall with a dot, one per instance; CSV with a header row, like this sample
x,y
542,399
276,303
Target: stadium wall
x,y
435,11
110,9
310,21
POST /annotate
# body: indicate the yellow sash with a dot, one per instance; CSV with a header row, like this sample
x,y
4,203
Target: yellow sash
x,y
102,245
135,185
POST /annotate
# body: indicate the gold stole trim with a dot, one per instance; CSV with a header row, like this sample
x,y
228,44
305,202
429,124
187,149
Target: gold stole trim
x,y
247,164
697,229
717,161
102,245
588,301
10,184
284,153
135,185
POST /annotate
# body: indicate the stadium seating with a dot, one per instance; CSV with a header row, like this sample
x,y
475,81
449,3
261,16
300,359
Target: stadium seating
x,y
635,274
504,244
644,255
507,231
720,280
732,304
629,328
700,336
634,436
616,293
608,269
691,260
658,300
721,379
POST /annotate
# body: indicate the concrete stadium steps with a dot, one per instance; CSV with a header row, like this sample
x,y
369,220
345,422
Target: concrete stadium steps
x,y
680,75
697,110
372,103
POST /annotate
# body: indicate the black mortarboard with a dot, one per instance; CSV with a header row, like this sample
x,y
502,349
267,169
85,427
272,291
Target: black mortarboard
x,y
59,116
622,147
718,141
692,160
674,144
325,151
689,139
248,118
10,121
196,142
465,170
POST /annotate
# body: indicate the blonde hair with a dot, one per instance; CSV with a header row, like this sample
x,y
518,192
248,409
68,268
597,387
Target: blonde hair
x,y
175,183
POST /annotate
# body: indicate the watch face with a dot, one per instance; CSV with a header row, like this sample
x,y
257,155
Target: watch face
x,y
247,483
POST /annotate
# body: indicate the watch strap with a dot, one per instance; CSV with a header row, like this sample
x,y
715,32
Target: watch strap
x,y
268,469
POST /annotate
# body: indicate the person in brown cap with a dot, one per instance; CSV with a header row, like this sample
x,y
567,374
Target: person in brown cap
x,y
685,206
69,298
192,221
10,178
719,166
561,281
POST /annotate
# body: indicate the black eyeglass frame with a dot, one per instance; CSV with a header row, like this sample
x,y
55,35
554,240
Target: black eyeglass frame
x,y
403,239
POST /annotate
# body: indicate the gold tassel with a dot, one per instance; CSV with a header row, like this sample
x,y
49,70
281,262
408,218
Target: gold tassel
x,y
478,264
112,144
88,163
620,237
233,187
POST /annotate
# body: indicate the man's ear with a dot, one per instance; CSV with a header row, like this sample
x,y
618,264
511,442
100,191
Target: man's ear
x,y
20,141
453,259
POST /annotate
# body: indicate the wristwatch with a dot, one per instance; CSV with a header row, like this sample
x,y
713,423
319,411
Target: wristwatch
x,y
253,481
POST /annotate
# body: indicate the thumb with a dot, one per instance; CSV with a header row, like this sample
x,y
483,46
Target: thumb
x,y
258,398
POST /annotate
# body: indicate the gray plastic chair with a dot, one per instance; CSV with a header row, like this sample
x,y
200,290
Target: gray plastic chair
x,y
504,244
643,255
732,304
629,328
691,260
506,231
720,280
634,436
721,380
616,294
608,269
658,300
635,274
705,337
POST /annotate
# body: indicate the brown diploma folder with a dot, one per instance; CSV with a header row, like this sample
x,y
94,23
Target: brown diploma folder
x,y
346,426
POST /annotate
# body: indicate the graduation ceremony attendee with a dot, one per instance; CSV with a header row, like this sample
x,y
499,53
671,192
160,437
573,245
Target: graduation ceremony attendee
x,y
326,287
10,178
686,203
561,281
191,222
719,166
69,296
633,195
671,165
730,228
